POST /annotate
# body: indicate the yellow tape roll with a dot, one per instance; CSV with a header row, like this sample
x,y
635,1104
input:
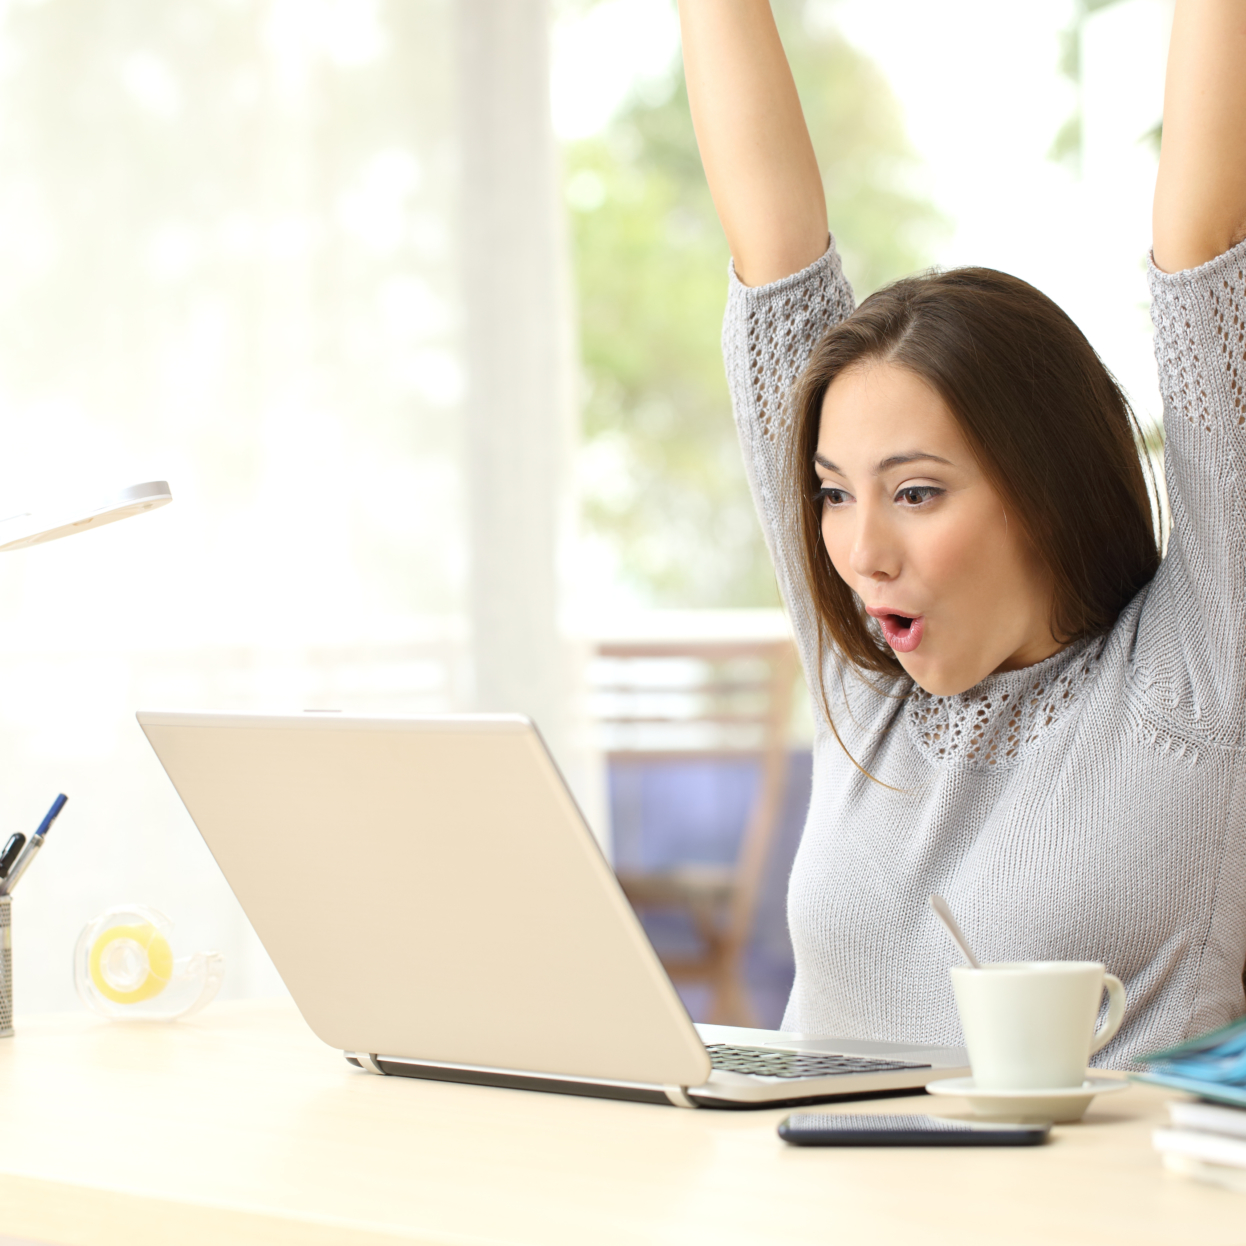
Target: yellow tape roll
x,y
155,949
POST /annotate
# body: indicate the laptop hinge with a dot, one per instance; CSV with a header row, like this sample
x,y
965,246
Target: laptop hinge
x,y
368,1062
677,1095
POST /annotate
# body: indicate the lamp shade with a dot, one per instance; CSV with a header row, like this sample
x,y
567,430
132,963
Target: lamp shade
x,y
19,531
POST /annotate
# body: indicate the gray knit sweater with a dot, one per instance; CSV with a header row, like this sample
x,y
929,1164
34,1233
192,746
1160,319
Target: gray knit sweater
x,y
1091,807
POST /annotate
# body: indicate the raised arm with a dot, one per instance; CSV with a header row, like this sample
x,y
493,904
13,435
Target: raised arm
x,y
1200,195
754,143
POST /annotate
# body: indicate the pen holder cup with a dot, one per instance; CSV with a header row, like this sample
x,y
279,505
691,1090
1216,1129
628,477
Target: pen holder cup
x,y
6,967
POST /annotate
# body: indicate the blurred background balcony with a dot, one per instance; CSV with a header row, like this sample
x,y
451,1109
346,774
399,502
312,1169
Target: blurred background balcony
x,y
708,781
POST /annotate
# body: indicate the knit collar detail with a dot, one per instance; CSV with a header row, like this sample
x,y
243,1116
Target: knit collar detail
x,y
998,721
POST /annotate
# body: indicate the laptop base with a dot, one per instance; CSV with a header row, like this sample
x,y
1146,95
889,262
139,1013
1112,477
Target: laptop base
x,y
626,1091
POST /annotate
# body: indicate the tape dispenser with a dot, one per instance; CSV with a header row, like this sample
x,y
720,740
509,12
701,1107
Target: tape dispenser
x,y
124,968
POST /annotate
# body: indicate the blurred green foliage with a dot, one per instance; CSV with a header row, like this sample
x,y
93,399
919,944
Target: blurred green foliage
x,y
662,480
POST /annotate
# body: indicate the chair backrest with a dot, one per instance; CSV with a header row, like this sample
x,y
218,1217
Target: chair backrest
x,y
667,699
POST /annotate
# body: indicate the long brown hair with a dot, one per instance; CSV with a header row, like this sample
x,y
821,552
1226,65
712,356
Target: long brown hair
x,y
1052,431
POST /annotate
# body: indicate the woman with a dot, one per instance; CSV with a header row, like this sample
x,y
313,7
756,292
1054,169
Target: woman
x,y
1019,705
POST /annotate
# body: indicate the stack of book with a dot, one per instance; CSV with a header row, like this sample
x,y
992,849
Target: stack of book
x,y
1207,1137
1206,1141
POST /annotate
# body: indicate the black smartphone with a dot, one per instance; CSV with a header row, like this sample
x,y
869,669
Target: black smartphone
x,y
879,1129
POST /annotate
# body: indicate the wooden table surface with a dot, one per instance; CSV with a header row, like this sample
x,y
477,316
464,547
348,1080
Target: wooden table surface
x,y
240,1127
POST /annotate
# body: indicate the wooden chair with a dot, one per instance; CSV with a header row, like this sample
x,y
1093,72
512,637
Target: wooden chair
x,y
664,700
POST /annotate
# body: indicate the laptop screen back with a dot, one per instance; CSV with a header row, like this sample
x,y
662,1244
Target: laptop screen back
x,y
427,888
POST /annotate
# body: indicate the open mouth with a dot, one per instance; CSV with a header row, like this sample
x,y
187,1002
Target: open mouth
x,y
901,632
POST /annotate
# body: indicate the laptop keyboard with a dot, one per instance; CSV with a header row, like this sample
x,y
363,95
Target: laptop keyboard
x,y
768,1062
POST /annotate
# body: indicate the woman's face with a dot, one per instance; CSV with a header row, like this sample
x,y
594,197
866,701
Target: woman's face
x,y
920,535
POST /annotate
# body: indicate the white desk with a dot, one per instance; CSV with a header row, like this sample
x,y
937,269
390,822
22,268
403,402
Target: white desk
x,y
240,1127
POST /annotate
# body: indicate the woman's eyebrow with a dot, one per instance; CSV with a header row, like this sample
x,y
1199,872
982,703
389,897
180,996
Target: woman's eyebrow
x,y
895,460
914,456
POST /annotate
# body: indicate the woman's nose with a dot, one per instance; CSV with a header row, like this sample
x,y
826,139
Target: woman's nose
x,y
874,554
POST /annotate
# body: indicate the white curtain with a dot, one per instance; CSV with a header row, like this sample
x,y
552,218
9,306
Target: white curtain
x,y
520,402
301,258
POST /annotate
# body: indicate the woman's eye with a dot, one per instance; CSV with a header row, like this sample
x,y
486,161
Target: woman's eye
x,y
831,497
915,495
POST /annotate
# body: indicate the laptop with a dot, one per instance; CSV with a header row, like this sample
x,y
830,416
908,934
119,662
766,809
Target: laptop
x,y
438,908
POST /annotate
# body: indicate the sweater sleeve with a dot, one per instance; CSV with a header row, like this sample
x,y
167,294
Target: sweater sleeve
x,y
1190,659
769,333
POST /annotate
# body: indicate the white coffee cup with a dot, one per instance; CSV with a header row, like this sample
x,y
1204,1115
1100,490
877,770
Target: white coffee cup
x,y
1029,1025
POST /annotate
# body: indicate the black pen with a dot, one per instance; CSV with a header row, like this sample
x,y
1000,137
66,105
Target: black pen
x,y
9,855
22,864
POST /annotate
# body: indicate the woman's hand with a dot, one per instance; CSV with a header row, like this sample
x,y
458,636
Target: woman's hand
x,y
754,144
1200,194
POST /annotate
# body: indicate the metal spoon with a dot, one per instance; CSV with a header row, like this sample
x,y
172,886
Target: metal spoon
x,y
944,914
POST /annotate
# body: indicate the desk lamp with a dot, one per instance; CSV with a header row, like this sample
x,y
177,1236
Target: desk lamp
x,y
17,532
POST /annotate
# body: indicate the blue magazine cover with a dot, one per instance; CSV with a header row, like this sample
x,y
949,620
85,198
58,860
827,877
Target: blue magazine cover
x,y
1212,1066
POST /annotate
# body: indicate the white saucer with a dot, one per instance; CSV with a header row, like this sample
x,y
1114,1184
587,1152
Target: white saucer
x,y
1066,1104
